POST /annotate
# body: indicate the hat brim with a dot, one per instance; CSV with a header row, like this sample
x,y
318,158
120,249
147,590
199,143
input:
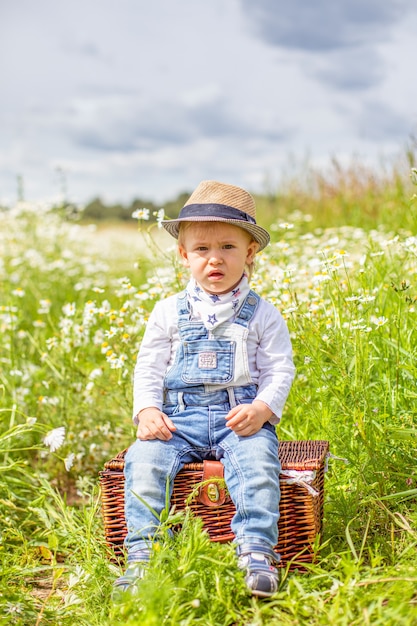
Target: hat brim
x,y
258,233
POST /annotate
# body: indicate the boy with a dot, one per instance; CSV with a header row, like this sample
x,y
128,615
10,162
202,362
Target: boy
x,y
213,373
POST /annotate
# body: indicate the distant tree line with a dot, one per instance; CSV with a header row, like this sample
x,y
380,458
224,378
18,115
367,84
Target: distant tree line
x,y
97,210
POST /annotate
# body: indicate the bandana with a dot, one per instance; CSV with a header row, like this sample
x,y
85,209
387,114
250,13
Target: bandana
x,y
215,309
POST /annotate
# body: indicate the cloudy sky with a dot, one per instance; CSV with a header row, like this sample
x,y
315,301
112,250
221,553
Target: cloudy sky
x,y
125,98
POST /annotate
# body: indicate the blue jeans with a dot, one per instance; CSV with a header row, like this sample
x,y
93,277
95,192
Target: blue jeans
x,y
251,469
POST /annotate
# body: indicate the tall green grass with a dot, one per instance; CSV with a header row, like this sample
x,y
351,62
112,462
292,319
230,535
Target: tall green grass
x,y
353,194
342,268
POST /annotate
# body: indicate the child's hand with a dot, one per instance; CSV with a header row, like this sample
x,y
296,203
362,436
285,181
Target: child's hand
x,y
247,419
153,424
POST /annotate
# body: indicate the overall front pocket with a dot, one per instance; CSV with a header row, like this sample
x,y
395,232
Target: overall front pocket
x,y
209,361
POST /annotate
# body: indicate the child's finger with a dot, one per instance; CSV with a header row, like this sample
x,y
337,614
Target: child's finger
x,y
156,429
162,431
233,411
235,418
169,423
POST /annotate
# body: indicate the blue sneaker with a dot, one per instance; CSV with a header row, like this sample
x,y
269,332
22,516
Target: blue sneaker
x,y
135,571
259,561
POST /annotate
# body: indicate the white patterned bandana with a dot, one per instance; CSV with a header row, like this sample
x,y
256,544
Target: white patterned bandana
x,y
213,309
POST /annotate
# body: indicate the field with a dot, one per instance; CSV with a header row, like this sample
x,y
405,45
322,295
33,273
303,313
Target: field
x,y
74,301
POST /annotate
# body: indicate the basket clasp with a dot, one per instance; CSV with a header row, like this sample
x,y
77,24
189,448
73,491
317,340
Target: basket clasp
x,y
212,493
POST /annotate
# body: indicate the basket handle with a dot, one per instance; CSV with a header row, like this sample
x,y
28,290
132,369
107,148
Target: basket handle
x,y
212,493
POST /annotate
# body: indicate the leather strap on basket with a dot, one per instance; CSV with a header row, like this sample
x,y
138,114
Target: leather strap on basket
x,y
212,493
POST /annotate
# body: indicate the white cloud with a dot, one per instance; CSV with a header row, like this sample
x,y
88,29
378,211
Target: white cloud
x,y
146,99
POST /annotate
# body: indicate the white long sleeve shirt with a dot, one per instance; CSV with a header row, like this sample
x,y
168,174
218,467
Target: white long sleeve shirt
x,y
269,357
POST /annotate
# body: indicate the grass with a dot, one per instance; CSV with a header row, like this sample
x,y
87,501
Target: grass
x,y
342,269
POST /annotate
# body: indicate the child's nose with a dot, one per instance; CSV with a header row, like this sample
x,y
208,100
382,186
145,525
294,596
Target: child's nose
x,y
216,257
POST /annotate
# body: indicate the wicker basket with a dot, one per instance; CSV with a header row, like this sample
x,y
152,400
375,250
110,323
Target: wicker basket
x,y
301,506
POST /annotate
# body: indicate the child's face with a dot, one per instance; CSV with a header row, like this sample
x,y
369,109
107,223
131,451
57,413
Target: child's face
x,y
216,254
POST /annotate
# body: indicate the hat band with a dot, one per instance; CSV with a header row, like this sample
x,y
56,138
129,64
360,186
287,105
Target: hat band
x,y
215,210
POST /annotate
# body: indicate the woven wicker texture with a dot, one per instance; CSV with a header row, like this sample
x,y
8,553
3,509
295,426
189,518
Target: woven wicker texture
x,y
301,513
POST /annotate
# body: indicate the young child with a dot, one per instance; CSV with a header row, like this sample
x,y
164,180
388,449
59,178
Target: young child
x,y
212,376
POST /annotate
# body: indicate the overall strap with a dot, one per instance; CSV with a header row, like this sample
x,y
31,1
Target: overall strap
x,y
247,310
183,308
184,317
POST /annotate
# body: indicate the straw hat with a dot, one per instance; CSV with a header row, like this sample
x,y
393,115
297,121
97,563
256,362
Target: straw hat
x,y
217,202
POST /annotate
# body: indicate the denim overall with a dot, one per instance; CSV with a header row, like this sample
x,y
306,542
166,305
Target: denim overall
x,y
209,376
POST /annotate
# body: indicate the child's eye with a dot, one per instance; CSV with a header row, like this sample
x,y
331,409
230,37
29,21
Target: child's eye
x,y
201,248
228,246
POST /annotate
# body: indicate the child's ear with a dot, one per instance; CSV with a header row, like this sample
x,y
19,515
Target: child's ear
x,y
184,256
253,248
